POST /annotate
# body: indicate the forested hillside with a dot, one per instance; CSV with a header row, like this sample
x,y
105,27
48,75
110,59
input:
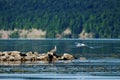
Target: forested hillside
x,y
101,18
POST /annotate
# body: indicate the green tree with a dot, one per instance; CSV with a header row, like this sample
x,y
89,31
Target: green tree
x,y
14,35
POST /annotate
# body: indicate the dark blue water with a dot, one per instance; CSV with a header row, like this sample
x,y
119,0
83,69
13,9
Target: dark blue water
x,y
102,47
102,62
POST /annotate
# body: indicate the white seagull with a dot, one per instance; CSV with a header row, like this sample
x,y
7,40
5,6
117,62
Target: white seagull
x,y
82,45
54,50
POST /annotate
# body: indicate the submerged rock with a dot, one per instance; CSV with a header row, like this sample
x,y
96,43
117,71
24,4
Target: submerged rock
x,y
83,58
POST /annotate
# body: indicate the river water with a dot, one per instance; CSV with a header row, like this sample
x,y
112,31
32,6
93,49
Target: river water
x,y
98,60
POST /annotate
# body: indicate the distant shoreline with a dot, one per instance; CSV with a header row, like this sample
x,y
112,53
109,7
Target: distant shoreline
x,y
61,39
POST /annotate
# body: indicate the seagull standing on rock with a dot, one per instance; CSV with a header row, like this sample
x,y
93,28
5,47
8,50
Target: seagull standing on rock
x,y
52,55
54,50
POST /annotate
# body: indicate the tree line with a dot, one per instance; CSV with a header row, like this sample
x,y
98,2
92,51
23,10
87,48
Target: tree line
x,y
100,17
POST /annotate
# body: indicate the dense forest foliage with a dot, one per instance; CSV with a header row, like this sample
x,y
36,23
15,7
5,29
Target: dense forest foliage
x,y
100,17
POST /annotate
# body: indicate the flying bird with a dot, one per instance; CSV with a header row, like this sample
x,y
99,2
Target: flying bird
x,y
82,45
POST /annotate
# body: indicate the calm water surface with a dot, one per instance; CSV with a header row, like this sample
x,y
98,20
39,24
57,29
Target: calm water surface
x,y
102,60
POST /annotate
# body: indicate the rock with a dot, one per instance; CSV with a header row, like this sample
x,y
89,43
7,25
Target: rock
x,y
82,58
49,57
6,53
51,53
15,54
36,53
42,57
12,53
2,54
18,58
23,54
3,58
67,56
11,58
31,56
29,53
34,56
52,57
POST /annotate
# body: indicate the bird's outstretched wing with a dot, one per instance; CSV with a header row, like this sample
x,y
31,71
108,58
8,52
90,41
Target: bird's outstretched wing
x,y
77,44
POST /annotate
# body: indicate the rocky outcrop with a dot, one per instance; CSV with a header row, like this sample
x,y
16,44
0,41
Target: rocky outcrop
x,y
34,56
